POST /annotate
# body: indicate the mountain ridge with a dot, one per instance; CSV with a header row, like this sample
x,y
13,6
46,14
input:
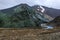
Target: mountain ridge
x,y
49,11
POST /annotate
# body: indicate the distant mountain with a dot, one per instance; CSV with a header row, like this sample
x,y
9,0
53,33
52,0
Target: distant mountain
x,y
52,12
49,11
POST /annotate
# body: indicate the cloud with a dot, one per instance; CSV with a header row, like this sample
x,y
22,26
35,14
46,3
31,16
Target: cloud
x,y
7,3
49,3
52,3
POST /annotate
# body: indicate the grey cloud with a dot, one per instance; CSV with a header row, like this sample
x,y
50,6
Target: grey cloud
x,y
49,3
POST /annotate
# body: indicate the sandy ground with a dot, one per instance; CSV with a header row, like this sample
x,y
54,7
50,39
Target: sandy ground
x,y
29,34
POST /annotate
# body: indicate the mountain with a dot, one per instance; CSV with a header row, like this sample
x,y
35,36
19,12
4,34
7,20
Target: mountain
x,y
11,10
42,11
24,15
21,15
52,12
49,11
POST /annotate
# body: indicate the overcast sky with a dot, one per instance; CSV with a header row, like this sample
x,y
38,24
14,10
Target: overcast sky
x,y
49,3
